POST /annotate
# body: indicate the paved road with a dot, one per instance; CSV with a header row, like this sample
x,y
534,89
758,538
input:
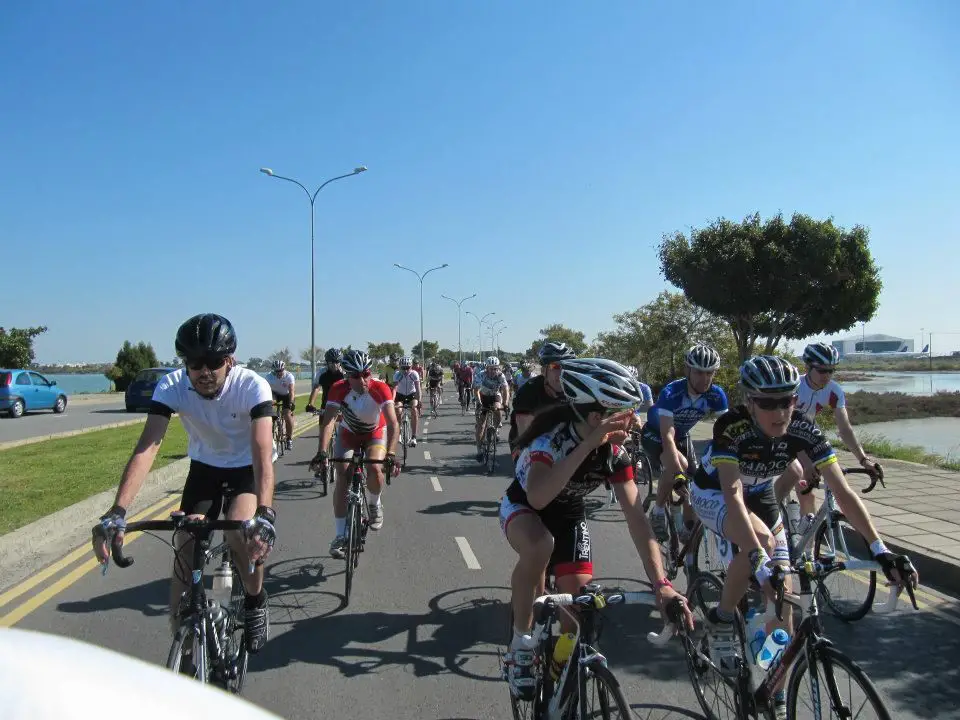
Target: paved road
x,y
86,413
421,635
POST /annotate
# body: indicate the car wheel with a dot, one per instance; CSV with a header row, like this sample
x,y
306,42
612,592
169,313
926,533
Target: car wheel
x,y
61,404
131,408
16,410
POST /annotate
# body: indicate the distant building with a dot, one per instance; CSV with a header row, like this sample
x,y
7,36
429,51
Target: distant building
x,y
873,344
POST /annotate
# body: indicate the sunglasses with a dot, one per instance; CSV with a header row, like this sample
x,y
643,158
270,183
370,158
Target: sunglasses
x,y
553,366
213,362
357,376
824,370
775,403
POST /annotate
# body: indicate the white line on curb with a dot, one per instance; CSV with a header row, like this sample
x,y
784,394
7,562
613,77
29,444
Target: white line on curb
x,y
436,483
468,557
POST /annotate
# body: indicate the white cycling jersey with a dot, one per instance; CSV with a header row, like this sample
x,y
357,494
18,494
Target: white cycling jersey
x,y
406,383
810,402
489,384
282,384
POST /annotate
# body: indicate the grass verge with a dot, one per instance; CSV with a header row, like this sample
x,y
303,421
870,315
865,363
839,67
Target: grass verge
x,y
881,447
867,407
44,477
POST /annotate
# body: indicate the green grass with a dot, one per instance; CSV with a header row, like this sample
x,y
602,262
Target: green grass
x,y
39,479
882,447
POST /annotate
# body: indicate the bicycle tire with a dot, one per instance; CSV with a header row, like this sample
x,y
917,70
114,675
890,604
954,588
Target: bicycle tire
x,y
713,564
533,709
852,613
491,450
278,436
609,690
353,549
405,438
184,634
238,596
834,658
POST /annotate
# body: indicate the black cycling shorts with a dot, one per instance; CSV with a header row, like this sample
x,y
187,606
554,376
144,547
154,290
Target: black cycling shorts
x,y
209,490
402,399
654,448
572,554
286,400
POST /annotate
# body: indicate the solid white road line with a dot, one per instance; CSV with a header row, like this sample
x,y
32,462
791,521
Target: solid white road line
x,y
468,557
436,483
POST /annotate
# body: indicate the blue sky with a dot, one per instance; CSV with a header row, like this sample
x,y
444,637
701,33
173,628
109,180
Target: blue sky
x,y
541,149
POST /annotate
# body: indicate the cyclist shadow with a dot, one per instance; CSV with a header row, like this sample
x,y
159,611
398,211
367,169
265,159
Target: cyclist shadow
x,y
307,488
151,598
483,508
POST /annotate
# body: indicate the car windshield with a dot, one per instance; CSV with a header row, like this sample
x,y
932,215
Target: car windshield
x,y
150,375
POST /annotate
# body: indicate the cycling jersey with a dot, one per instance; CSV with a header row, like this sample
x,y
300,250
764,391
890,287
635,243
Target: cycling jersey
x,y
530,398
608,462
646,393
488,384
361,413
325,380
389,375
466,375
406,383
282,384
218,428
737,440
435,375
674,401
810,402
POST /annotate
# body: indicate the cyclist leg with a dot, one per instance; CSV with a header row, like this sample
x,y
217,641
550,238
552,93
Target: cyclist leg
x,y
288,416
345,443
376,449
534,544
414,418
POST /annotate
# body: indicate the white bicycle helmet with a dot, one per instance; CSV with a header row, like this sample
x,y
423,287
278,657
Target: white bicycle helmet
x,y
278,365
551,352
821,354
632,369
702,357
596,381
356,361
492,361
769,376
406,362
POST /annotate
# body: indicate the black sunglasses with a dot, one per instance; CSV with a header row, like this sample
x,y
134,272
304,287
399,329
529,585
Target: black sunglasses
x,y
781,403
213,362
824,370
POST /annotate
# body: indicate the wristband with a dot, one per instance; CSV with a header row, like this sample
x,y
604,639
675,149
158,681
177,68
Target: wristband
x,y
662,583
878,548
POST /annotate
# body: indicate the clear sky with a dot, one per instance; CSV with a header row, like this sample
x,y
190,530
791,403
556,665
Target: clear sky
x,y
539,148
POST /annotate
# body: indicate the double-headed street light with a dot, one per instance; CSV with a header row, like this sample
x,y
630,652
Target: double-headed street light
x,y
458,304
480,322
420,277
313,198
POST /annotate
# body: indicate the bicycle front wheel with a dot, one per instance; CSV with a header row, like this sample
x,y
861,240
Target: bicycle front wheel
x,y
825,692
848,594
193,664
600,694
353,547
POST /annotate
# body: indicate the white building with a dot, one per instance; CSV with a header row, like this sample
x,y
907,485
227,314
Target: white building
x,y
873,344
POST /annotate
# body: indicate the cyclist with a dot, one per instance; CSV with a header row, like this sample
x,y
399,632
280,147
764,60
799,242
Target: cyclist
x,y
227,413
417,367
466,381
492,394
680,405
407,391
818,391
389,373
566,453
368,420
733,491
284,387
522,376
540,391
325,379
435,379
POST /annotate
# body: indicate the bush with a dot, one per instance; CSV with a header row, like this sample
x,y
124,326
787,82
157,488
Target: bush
x,y
131,359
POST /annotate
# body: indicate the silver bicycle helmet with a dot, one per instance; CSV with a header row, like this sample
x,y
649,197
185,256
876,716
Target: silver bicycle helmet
x,y
278,366
702,357
356,361
596,381
551,352
406,362
821,354
769,376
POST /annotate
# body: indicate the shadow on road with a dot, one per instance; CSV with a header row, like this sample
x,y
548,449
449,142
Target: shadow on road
x,y
152,599
654,711
119,411
482,508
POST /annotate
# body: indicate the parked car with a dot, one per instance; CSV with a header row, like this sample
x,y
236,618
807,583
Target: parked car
x,y
140,391
25,391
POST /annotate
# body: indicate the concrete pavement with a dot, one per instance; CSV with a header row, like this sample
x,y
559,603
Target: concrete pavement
x,y
421,635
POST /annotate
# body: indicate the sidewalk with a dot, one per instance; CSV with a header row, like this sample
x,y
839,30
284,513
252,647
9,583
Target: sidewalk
x,y
917,513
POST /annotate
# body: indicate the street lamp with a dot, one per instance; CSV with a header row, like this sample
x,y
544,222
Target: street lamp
x,y
497,339
313,198
480,331
459,303
420,278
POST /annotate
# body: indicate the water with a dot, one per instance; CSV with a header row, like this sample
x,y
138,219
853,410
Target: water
x,y
939,435
76,383
911,383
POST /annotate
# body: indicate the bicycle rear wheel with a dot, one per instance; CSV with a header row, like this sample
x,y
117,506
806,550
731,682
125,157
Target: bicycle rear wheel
x,y
278,436
600,694
825,689
353,547
404,438
848,594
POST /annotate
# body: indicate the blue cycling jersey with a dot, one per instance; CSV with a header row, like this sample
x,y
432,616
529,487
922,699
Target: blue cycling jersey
x,y
674,401
647,394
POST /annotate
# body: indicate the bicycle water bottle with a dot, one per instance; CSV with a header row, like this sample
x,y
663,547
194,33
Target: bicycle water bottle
x,y
223,577
561,653
755,632
772,649
676,512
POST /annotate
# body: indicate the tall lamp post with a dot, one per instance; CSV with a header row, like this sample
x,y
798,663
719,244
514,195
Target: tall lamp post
x,y
480,322
313,198
458,304
420,277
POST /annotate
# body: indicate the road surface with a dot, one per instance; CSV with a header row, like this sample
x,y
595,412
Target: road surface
x,y
421,636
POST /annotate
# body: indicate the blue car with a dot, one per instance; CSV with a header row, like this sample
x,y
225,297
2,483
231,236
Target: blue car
x,y
25,391
140,391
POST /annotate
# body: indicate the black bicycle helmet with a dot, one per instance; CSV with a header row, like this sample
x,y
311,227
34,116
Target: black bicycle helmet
x,y
821,354
333,355
769,376
205,335
356,361
551,352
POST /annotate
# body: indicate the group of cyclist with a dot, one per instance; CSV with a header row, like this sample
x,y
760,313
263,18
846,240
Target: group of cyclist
x,y
568,427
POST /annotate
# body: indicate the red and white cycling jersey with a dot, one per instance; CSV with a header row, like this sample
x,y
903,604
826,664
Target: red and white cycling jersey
x,y
810,402
362,412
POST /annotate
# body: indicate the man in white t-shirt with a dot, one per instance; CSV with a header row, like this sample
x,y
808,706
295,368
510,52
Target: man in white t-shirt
x,y
818,391
407,391
284,387
227,412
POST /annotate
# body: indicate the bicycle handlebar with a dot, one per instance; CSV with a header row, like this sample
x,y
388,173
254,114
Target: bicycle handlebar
x,y
875,476
194,526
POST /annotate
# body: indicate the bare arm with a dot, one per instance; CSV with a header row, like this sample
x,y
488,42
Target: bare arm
x,y
261,443
140,462
640,530
845,431
523,422
738,526
668,434
545,482
327,425
393,428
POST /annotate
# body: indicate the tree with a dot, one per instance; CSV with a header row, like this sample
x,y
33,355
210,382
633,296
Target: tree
x,y
131,359
282,354
574,338
773,280
305,354
446,357
16,346
255,363
656,337
432,348
381,351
